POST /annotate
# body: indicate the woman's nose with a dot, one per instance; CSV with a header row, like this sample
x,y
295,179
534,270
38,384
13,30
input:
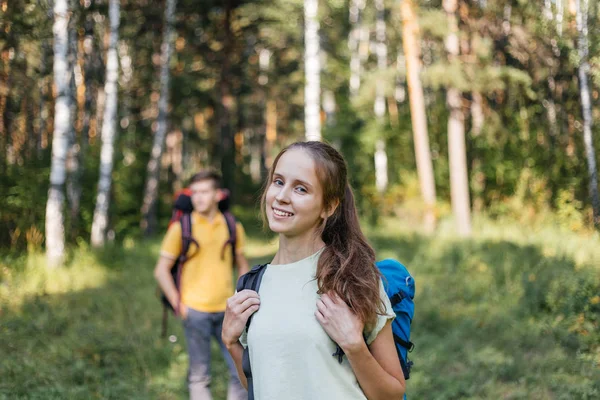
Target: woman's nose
x,y
283,195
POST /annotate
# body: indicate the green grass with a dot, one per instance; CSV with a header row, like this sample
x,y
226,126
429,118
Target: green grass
x,y
512,313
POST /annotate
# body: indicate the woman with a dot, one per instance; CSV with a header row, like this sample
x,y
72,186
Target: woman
x,y
322,290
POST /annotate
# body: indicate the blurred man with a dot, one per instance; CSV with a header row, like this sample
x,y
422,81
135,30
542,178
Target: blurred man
x,y
206,281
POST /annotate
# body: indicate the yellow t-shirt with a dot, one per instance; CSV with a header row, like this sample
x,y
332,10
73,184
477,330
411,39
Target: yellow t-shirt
x,y
207,279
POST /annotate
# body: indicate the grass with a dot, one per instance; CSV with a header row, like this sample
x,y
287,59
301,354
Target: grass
x,y
512,313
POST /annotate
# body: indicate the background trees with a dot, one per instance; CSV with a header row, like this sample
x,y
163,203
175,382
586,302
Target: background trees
x,y
239,72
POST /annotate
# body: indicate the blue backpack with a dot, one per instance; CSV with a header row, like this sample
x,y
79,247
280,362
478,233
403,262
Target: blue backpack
x,y
399,286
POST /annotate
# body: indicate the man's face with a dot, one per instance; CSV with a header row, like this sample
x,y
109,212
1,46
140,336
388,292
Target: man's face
x,y
205,196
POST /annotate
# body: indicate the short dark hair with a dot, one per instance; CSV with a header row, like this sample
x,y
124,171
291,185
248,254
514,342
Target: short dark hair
x,y
207,175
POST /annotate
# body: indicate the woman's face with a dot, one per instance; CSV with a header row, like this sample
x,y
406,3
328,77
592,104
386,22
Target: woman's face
x,y
294,199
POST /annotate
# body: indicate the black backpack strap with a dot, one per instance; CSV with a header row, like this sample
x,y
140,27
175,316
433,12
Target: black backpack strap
x,y
186,241
397,298
407,345
232,228
252,281
406,364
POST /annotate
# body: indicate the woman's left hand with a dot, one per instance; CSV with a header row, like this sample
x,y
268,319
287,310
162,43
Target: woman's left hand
x,y
339,321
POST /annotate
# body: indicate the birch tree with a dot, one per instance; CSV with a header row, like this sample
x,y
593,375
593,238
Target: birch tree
x,y
312,69
459,182
88,72
586,106
411,47
149,222
74,155
357,8
381,162
227,103
258,168
109,131
55,227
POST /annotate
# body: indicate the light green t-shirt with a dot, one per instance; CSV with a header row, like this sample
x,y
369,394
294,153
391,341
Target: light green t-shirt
x,y
290,353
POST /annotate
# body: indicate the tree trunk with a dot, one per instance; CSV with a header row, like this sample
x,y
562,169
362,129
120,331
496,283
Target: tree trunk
x,y
74,171
109,131
357,7
312,70
55,229
101,95
381,162
417,113
559,16
88,73
258,168
459,182
149,218
548,10
586,106
271,131
227,105
5,83
43,106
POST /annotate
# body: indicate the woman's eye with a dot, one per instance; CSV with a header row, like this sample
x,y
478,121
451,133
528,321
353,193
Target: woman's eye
x,y
278,182
301,189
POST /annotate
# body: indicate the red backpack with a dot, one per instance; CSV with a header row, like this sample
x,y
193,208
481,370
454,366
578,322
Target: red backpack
x,y
182,213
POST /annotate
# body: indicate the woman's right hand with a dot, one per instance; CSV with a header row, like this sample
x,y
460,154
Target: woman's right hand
x,y
239,308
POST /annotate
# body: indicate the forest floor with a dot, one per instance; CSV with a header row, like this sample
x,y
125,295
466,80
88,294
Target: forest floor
x,y
511,313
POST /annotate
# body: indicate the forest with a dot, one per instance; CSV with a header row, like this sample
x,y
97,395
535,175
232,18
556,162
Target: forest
x,y
471,132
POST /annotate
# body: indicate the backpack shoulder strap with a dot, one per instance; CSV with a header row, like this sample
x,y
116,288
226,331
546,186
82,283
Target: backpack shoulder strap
x,y
232,228
186,241
186,236
250,280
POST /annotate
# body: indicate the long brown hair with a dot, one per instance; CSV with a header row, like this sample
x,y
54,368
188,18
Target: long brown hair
x,y
347,264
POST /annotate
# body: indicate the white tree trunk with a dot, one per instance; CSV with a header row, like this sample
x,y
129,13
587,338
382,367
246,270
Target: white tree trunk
x,y
149,222
584,68
88,50
381,165
459,181
417,113
258,168
312,70
74,170
355,17
109,130
55,228
379,105
559,16
381,173
548,14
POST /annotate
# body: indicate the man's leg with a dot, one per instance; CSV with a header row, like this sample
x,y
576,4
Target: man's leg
x,y
197,334
235,390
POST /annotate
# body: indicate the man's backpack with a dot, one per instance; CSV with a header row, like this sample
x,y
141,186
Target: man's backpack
x,y
182,213
400,288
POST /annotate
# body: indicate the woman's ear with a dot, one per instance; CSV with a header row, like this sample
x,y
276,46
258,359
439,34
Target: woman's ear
x,y
328,212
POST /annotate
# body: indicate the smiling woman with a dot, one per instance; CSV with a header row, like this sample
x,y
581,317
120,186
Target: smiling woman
x,y
293,201
321,294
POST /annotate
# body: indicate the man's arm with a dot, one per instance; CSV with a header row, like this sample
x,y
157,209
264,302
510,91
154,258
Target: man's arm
x,y
162,273
240,258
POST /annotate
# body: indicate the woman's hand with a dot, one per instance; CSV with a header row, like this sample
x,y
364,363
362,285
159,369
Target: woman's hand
x,y
340,322
239,308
